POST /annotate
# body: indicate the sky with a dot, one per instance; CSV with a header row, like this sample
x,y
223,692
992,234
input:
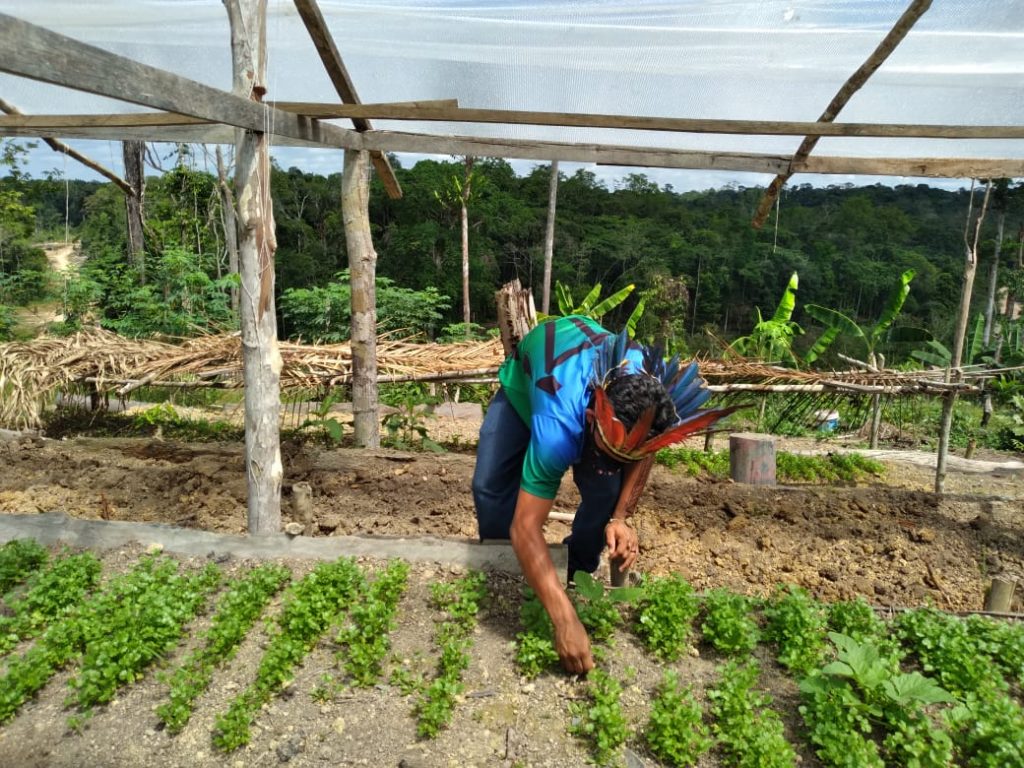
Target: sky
x,y
963,63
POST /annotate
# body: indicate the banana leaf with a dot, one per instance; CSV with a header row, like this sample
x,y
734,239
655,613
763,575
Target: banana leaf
x,y
564,299
975,345
788,301
892,307
634,316
611,302
585,306
822,344
937,354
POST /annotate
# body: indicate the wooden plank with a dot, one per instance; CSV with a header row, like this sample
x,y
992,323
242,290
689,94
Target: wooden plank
x,y
853,84
655,157
39,54
455,114
631,156
59,146
342,82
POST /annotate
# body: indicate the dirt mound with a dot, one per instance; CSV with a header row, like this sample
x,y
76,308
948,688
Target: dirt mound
x,y
894,545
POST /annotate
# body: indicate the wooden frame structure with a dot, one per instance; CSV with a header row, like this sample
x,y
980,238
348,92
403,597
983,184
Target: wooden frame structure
x,y
192,112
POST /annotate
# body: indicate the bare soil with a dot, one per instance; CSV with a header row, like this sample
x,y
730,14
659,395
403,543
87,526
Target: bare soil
x,y
890,540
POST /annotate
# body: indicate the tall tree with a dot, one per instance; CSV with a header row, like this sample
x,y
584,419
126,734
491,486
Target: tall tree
x,y
261,356
136,178
549,237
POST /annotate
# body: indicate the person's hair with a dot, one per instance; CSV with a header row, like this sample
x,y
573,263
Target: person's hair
x,y
632,394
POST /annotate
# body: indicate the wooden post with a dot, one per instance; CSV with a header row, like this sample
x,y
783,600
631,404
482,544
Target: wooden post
x,y
752,458
970,267
516,314
261,356
362,262
1000,595
877,362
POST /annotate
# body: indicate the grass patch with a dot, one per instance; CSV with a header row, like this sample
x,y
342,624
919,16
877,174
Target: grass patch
x,y
789,467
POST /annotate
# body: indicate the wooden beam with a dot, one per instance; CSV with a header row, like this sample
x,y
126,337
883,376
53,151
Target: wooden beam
x,y
59,146
454,114
899,31
546,151
447,110
336,71
655,157
39,54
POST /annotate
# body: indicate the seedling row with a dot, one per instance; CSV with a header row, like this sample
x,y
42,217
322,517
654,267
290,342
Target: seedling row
x,y
924,689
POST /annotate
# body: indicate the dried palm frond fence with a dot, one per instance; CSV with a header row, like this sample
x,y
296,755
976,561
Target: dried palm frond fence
x,y
33,373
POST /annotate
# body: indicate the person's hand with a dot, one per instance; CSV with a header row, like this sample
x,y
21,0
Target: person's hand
x,y
623,545
573,647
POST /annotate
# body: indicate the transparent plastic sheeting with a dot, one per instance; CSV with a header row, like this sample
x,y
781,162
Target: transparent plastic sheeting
x,y
963,63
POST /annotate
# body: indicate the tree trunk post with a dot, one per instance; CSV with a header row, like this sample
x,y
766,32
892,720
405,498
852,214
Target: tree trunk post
x,y
362,262
549,238
752,458
876,403
261,356
464,195
135,176
970,267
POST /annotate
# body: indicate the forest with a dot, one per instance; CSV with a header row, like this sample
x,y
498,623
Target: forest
x,y
705,275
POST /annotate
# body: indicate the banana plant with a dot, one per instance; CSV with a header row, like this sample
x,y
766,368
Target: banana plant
x,y
837,324
772,339
591,307
938,354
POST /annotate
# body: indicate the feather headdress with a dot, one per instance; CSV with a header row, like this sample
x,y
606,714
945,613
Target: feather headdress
x,y
684,387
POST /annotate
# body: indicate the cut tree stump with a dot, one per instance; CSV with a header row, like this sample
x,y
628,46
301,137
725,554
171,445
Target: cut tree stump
x,y
752,458
1000,595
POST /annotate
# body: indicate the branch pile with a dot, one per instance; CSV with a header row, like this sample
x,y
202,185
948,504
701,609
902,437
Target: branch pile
x,y
32,373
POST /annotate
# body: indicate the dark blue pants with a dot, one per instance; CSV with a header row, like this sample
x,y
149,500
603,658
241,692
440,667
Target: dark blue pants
x,y
499,465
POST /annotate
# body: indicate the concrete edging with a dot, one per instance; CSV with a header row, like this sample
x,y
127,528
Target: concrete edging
x,y
58,528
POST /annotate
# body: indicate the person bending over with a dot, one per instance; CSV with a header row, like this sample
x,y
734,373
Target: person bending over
x,y
574,395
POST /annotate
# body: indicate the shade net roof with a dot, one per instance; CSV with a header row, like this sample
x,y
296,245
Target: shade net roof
x,y
961,64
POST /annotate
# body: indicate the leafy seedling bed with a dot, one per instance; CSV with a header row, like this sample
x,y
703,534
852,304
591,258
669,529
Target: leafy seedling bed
x,y
131,659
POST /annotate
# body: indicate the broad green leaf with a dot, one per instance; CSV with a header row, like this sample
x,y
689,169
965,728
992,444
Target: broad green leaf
x,y
822,344
587,586
611,302
830,317
788,301
635,316
564,299
585,307
892,307
627,595
915,687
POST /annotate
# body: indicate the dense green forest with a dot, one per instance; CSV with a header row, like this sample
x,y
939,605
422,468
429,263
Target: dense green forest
x,y
702,270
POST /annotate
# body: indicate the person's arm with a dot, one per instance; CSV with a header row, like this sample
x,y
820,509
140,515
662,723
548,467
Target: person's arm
x,y
622,541
527,534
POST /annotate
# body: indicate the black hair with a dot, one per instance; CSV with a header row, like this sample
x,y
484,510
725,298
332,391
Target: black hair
x,y
632,394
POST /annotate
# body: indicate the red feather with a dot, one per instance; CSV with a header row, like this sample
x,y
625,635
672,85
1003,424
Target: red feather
x,y
613,431
639,431
697,423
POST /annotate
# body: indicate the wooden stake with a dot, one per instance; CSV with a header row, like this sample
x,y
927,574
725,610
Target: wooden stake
x,y
302,506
